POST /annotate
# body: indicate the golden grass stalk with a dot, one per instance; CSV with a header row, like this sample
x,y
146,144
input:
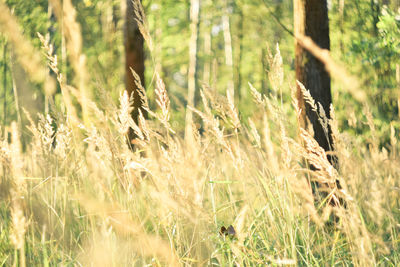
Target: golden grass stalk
x,y
276,75
142,23
316,107
163,103
141,90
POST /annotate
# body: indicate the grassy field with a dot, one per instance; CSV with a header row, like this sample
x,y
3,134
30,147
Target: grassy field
x,y
76,194
79,195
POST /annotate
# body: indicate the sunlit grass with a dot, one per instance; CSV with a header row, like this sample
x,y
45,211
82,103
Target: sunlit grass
x,y
79,193
84,197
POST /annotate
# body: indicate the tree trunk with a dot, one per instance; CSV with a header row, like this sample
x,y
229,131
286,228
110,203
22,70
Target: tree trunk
x,y
134,58
228,50
341,24
207,43
398,88
311,19
239,41
5,84
194,29
207,53
157,8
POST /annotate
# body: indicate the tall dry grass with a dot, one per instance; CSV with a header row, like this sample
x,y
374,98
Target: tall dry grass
x,y
79,195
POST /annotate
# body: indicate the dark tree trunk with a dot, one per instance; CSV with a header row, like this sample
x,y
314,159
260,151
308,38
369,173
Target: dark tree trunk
x,y
311,19
134,58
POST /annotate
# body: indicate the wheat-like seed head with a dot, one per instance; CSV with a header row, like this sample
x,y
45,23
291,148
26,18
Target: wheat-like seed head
x,y
276,74
317,157
141,90
232,112
256,95
162,98
205,103
126,103
63,140
287,153
254,133
141,20
307,97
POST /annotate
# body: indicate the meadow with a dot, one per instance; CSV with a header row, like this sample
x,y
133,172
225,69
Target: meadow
x,y
77,192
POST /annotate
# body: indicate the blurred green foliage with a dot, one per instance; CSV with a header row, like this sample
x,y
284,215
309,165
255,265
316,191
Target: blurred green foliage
x,y
364,36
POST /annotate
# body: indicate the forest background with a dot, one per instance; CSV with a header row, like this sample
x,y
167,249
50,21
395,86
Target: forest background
x,y
243,44
364,37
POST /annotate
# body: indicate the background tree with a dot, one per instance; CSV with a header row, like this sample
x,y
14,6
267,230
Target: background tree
x,y
194,28
311,19
134,58
228,47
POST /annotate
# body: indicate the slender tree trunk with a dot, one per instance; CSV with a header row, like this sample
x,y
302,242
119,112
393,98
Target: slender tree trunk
x,y
238,74
264,75
341,12
398,88
16,98
228,50
279,13
311,19
207,53
158,38
194,29
207,45
134,59
64,61
51,30
5,83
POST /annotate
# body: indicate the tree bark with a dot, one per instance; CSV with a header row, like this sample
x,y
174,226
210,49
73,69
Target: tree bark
x,y
311,19
134,58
